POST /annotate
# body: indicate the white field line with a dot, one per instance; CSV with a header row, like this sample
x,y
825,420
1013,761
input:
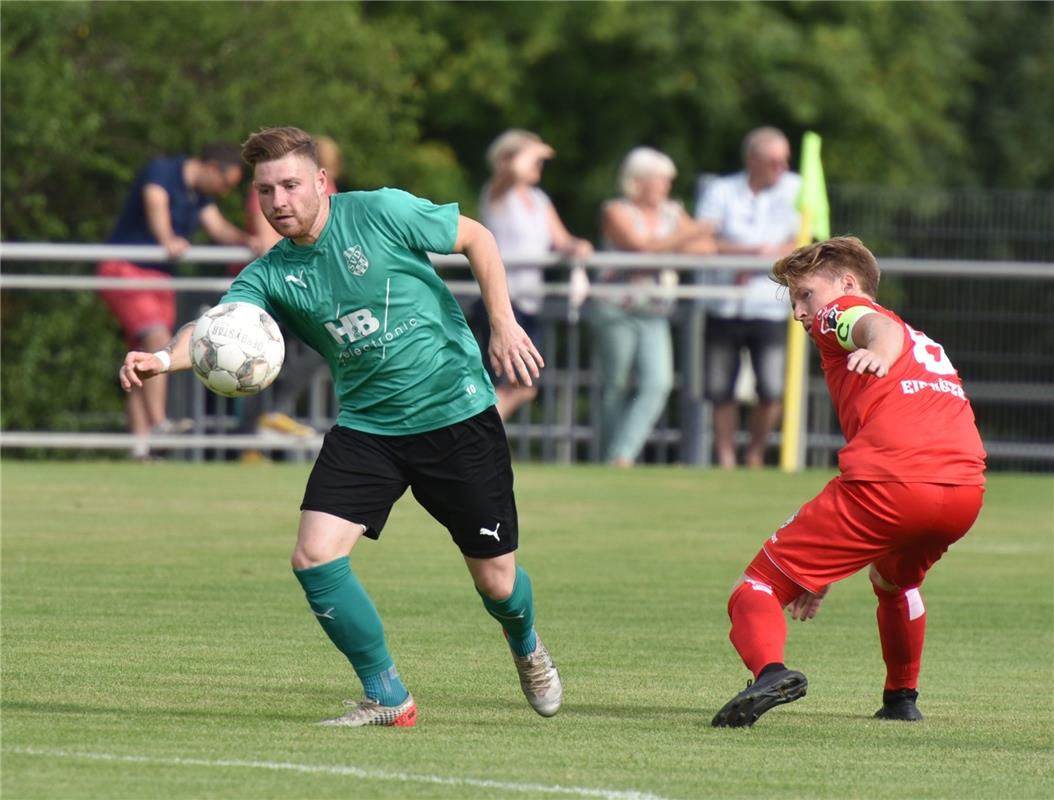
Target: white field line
x,y
352,772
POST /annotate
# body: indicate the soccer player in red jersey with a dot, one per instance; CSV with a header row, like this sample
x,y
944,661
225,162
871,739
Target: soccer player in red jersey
x,y
911,484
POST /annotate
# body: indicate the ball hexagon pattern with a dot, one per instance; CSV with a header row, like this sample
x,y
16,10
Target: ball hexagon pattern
x,y
236,349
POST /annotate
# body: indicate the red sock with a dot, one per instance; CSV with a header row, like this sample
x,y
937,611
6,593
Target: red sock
x,y
759,630
902,630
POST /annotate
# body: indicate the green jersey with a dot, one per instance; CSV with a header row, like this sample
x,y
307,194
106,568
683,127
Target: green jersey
x,y
366,297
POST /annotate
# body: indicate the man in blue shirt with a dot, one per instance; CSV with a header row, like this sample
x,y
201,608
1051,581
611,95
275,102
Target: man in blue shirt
x,y
170,199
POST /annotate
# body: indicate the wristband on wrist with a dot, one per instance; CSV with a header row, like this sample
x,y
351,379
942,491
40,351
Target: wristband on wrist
x,y
165,359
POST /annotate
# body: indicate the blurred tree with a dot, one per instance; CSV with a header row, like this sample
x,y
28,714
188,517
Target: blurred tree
x,y
932,94
886,84
92,91
1012,105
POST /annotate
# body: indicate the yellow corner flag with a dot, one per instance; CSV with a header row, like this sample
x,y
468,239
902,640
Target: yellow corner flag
x,y
815,224
812,197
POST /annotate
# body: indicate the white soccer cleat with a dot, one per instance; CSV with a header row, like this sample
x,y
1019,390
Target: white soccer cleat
x,y
539,680
370,712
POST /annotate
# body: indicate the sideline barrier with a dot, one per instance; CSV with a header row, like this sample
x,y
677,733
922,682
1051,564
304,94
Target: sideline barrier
x,y
558,428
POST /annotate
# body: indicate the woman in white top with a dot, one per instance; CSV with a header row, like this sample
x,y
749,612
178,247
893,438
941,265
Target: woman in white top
x,y
631,329
526,226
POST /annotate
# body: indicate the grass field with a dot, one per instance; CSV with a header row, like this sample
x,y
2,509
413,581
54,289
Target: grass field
x,y
155,645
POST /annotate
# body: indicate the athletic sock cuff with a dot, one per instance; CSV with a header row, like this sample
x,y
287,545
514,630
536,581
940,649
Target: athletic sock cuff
x,y
323,577
516,612
522,594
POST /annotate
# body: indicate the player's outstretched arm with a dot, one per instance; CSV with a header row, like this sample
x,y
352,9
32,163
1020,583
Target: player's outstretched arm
x,y
512,353
174,356
879,341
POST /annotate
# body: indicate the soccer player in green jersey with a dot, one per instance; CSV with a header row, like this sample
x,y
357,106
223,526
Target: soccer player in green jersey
x,y
351,278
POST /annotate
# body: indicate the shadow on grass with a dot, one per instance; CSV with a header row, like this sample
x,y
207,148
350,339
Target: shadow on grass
x,y
599,711
596,712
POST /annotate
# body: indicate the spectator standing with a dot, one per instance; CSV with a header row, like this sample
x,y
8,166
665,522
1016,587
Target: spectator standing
x,y
526,226
169,200
631,329
752,213
296,372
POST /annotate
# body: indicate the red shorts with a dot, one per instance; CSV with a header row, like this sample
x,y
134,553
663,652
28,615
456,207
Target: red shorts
x,y
901,528
138,310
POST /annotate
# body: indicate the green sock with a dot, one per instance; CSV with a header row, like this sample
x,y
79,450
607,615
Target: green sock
x,y
516,614
385,687
347,615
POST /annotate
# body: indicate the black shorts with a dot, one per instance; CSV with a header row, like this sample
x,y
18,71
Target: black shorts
x,y
461,474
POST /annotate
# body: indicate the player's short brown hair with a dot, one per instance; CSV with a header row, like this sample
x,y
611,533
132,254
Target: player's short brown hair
x,y
831,257
271,144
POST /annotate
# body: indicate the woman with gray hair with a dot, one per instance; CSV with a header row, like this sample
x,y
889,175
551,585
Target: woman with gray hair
x,y
631,328
526,226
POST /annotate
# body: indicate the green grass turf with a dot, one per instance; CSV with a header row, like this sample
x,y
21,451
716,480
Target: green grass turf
x,y
149,615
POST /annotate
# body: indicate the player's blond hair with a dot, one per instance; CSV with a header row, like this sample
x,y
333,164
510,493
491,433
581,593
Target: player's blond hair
x,y
831,257
271,144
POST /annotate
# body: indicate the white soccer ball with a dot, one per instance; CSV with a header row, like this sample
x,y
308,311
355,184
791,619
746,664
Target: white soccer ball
x,y
236,349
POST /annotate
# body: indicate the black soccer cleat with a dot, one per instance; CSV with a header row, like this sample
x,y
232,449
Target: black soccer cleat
x,y
899,704
770,690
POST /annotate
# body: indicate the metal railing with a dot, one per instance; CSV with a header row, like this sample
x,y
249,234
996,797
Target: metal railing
x,y
558,427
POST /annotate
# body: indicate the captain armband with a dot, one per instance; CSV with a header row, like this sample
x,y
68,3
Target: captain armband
x,y
847,320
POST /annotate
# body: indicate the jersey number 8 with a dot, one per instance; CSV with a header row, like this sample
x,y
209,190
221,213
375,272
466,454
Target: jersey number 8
x,y
930,354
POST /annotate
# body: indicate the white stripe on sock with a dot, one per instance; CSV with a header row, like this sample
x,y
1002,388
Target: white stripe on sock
x,y
915,607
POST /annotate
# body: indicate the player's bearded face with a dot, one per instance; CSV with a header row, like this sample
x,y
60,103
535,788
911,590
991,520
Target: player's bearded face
x,y
290,191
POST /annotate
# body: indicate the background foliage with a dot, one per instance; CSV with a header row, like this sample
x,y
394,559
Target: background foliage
x,y
923,94
905,94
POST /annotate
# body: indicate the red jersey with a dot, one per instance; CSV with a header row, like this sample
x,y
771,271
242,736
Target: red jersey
x,y
913,425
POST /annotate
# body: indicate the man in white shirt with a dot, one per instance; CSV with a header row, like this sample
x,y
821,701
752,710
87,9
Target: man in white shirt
x,y
752,213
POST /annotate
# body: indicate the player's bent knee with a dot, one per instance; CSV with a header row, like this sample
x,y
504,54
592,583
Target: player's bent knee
x,y
494,577
314,552
881,582
322,538
302,559
739,582
496,587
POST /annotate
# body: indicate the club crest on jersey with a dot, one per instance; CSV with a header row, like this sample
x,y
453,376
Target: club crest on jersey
x,y
829,319
356,261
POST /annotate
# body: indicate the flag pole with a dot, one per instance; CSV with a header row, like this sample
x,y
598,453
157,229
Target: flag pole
x,y
794,389
815,222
